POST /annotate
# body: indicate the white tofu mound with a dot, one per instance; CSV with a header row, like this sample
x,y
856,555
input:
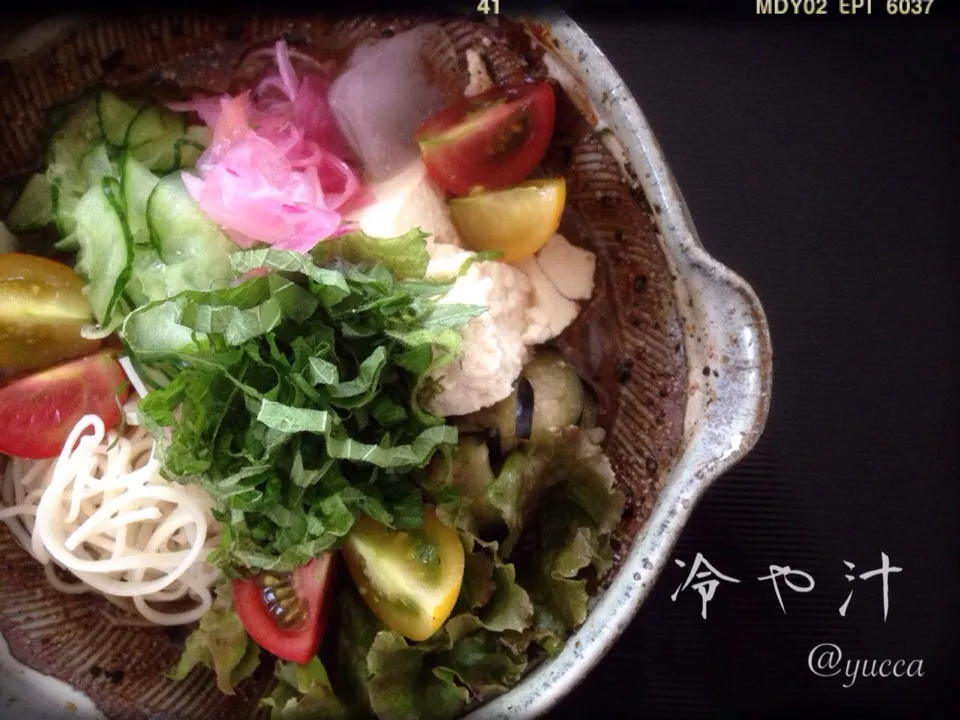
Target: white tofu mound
x,y
493,352
407,200
549,312
568,267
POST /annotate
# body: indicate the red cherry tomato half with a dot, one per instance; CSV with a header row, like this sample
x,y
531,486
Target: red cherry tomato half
x,y
287,614
492,140
38,412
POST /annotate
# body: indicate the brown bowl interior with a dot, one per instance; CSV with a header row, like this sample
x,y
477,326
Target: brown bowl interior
x,y
627,341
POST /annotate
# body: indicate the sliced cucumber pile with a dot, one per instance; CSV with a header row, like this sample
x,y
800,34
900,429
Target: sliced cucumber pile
x,y
104,124
113,188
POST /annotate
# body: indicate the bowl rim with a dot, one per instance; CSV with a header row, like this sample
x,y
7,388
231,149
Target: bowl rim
x,y
713,443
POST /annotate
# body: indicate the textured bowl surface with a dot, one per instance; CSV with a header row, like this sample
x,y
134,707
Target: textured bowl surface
x,y
675,343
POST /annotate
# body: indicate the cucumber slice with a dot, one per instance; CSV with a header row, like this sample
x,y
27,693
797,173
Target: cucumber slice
x,y
73,138
200,134
137,183
34,207
152,279
152,137
75,134
64,207
67,244
105,256
191,146
71,180
188,152
115,116
147,270
185,235
97,165
152,332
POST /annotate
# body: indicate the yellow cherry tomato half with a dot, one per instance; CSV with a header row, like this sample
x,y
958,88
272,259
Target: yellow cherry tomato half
x,y
410,579
517,221
42,309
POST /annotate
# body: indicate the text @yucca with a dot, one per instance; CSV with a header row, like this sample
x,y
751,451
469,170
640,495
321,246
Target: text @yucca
x,y
826,660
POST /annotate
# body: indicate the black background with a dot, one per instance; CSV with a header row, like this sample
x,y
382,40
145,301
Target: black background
x,y
819,160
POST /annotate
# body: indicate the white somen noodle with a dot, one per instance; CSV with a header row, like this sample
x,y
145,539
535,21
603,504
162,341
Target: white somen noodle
x,y
102,511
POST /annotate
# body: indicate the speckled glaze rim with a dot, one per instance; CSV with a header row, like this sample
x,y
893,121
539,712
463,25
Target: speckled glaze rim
x,y
725,328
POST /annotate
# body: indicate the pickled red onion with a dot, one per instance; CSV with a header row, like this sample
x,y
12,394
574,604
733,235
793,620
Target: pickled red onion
x,y
274,172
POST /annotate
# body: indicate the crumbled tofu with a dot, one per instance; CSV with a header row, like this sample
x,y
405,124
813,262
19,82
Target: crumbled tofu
x,y
479,77
568,267
550,312
407,200
590,450
525,309
493,351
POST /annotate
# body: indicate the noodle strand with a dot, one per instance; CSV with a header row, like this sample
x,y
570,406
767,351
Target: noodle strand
x,y
102,512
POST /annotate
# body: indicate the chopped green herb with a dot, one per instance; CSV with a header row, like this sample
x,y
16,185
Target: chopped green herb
x,y
298,405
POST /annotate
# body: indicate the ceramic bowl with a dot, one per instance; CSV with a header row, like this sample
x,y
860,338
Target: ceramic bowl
x,y
676,342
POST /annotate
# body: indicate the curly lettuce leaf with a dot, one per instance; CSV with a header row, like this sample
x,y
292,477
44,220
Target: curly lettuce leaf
x,y
483,664
556,582
465,660
569,459
478,585
304,692
220,643
510,607
395,679
547,632
566,526
555,499
404,685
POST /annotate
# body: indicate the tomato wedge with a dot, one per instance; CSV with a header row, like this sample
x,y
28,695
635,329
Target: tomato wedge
x,y
287,614
492,140
38,412
517,221
410,579
42,309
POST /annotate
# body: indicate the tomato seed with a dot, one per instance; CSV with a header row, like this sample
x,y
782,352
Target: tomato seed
x,y
281,601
